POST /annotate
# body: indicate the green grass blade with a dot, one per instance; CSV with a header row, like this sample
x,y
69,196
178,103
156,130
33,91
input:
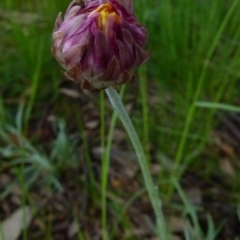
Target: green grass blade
x,y
197,92
219,106
105,165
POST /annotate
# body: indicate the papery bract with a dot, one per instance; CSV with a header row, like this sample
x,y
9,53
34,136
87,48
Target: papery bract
x,y
99,44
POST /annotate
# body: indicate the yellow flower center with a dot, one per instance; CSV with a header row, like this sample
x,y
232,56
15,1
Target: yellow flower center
x,y
105,11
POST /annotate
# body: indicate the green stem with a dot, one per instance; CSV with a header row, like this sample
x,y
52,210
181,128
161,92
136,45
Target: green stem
x,y
103,188
152,190
143,96
105,170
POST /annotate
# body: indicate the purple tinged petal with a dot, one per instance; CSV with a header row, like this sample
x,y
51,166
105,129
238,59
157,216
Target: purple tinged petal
x,y
127,36
102,52
74,73
145,35
87,61
127,77
141,55
129,44
78,39
74,54
112,72
85,25
93,28
71,5
58,22
71,13
125,59
109,27
70,27
59,57
85,84
137,33
58,38
146,56
128,4
100,44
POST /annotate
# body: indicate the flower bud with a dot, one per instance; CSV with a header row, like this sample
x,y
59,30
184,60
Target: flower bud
x,y
99,44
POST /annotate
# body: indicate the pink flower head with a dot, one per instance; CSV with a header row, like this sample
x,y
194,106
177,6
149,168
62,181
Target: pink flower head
x,y
99,44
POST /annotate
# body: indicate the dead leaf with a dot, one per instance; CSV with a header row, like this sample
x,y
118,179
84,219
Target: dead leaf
x,y
16,200
92,124
227,149
155,169
73,229
227,167
194,195
116,183
5,179
70,93
119,135
177,224
15,223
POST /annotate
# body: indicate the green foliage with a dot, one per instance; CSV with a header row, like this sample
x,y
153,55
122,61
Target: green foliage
x,y
19,154
192,38
196,232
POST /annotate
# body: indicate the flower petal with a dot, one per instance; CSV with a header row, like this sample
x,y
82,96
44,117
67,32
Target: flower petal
x,y
141,55
71,13
102,52
58,38
59,57
73,55
112,71
99,44
58,22
74,73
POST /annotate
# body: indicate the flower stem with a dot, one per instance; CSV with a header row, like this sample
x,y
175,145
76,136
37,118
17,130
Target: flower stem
x,y
152,190
105,164
103,187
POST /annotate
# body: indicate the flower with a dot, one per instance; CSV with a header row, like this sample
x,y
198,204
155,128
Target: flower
x,y
99,44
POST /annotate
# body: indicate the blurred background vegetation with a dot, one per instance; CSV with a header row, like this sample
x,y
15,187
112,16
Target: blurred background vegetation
x,y
183,102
